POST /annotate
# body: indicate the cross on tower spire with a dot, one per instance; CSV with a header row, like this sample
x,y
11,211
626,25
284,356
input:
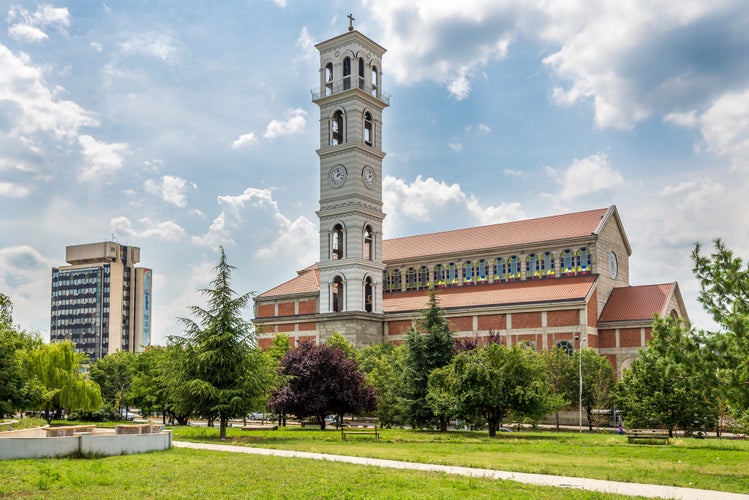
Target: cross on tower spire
x,y
351,22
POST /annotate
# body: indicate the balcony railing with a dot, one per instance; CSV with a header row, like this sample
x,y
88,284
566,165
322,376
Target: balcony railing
x,y
332,88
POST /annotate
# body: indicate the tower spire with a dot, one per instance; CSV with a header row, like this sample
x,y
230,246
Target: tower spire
x,y
351,20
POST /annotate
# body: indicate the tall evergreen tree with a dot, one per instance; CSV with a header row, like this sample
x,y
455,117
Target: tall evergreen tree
x,y
426,348
222,373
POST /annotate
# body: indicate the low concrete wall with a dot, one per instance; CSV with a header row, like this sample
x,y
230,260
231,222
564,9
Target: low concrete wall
x,y
32,443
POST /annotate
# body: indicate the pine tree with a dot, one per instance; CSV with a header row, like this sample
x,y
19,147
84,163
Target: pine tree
x,y
222,373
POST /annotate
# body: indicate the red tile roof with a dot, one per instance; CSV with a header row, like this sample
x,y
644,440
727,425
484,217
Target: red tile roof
x,y
307,281
544,229
500,294
637,302
556,227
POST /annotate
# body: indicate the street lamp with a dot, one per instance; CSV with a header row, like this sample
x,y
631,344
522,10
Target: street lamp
x,y
580,383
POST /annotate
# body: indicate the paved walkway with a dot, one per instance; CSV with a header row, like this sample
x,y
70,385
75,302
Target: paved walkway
x,y
632,489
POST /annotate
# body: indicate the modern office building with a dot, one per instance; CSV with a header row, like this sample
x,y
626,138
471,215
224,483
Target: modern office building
x,y
561,280
101,301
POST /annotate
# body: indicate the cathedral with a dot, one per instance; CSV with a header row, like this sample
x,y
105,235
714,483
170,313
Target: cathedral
x,y
561,280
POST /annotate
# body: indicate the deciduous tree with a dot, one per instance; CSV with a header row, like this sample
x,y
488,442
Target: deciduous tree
x,y
54,380
322,380
493,381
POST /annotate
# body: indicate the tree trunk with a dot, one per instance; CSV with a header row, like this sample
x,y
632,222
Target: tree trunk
x,y
492,427
557,415
443,424
222,428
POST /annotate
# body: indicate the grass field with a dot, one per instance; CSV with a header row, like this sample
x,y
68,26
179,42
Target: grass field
x,y
181,473
693,463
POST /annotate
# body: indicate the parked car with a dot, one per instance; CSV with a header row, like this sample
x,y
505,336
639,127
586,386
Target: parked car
x,y
259,415
126,415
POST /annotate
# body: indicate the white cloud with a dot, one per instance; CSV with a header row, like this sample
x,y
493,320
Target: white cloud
x,y
11,190
429,200
307,44
158,45
101,159
26,26
688,119
725,127
36,108
256,212
456,146
460,88
170,189
28,34
511,172
25,277
294,123
244,140
448,42
164,231
585,177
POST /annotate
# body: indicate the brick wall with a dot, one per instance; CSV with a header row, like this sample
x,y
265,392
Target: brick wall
x,y
526,320
266,310
493,322
570,317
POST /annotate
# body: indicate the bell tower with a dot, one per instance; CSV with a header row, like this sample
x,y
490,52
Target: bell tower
x,y
351,102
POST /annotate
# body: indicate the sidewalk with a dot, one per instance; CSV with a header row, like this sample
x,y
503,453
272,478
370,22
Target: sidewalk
x,y
631,489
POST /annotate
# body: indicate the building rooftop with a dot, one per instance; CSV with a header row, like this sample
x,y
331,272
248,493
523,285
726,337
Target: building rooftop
x,y
524,232
637,302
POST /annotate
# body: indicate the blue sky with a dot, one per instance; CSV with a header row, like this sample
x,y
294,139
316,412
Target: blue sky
x,y
179,126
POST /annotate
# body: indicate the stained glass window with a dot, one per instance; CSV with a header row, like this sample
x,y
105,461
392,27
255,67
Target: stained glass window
x,y
532,269
513,268
567,264
499,269
583,261
547,265
467,272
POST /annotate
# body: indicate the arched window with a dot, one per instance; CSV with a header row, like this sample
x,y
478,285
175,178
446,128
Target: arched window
x,y
439,275
336,129
337,243
368,296
513,268
411,279
361,73
368,139
467,272
452,274
532,268
567,346
547,265
499,269
393,281
567,263
337,294
329,79
423,279
480,271
368,243
346,73
583,261
374,81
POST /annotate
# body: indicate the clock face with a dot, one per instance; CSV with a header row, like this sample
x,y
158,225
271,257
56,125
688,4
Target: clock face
x,y
368,176
613,265
338,176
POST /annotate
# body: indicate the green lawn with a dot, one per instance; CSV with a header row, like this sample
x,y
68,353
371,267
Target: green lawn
x,y
182,473
694,463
